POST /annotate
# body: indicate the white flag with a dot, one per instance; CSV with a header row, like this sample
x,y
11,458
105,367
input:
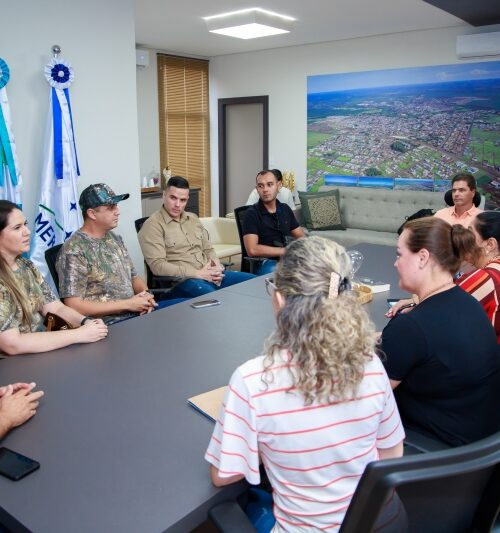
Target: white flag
x,y
58,214
10,176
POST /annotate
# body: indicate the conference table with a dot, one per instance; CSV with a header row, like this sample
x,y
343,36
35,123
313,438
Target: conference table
x,y
119,447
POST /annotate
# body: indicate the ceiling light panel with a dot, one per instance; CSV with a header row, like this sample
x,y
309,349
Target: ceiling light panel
x,y
249,23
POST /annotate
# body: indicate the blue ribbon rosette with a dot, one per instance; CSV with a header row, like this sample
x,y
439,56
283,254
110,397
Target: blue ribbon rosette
x,y
6,155
4,73
59,73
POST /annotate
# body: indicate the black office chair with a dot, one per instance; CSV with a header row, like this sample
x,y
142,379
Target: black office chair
x,y
248,264
449,491
51,260
156,284
448,198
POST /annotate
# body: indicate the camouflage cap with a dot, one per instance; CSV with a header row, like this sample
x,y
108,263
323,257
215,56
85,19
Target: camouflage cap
x,y
99,194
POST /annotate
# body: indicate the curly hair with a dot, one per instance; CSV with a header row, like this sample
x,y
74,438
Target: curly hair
x,y
329,340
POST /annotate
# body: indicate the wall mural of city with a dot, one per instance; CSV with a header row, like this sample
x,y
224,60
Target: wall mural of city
x,y
411,128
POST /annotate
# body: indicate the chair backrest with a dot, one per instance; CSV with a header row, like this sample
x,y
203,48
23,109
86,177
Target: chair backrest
x,y
51,259
154,282
448,198
239,215
139,222
150,278
455,490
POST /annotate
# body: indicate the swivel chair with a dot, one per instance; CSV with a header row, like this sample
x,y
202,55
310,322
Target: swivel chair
x,y
51,260
248,264
448,198
449,491
156,283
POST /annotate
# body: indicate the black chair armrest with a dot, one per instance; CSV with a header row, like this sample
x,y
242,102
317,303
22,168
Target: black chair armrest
x,y
168,279
423,443
159,291
256,259
228,517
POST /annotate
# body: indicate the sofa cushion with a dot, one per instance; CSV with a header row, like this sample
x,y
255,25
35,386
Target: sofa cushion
x,y
382,209
321,210
352,237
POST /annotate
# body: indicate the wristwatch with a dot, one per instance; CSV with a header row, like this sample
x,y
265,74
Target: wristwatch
x,y
84,319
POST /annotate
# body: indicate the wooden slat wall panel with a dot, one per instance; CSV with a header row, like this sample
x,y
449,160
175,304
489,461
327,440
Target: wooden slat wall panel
x,y
184,122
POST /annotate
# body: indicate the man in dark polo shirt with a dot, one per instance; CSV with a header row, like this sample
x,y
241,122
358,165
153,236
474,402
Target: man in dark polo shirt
x,y
269,225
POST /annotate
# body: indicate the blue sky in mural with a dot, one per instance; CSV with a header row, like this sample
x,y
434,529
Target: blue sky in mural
x,y
404,76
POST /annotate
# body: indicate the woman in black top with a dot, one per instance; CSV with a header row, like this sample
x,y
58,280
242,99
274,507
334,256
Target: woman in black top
x,y
442,358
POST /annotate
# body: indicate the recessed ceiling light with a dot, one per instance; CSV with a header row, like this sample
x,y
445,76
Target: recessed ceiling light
x,y
249,23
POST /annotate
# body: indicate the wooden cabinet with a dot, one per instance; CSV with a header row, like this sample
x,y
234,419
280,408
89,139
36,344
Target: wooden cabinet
x,y
151,202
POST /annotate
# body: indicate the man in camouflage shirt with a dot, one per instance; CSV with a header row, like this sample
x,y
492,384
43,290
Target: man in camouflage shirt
x,y
96,274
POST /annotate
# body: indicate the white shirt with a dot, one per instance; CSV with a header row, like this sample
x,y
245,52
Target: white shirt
x,y
314,455
285,196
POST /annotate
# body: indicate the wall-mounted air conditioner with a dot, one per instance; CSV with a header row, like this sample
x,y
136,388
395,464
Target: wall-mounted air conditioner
x,y
141,58
478,45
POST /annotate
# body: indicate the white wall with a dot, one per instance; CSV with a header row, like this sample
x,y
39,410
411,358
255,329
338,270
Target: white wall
x,y
98,39
147,106
282,73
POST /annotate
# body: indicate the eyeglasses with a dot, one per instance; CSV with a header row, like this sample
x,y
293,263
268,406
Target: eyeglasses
x,y
270,286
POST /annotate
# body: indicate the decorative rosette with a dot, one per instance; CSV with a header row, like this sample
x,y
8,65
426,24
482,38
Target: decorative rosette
x,y
59,73
4,73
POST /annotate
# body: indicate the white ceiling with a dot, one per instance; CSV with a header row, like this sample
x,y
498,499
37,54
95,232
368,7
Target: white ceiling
x,y
176,26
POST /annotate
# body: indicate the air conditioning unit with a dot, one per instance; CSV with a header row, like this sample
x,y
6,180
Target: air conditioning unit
x,y
141,58
478,45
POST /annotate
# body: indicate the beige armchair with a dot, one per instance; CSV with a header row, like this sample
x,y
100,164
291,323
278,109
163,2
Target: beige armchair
x,y
223,236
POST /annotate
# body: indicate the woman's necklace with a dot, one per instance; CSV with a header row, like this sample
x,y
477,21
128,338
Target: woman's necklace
x,y
437,289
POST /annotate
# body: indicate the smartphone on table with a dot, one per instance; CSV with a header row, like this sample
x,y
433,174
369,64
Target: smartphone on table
x,y
204,303
391,302
14,465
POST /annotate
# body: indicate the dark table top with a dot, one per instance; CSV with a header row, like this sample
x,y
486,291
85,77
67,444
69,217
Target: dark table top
x,y
120,449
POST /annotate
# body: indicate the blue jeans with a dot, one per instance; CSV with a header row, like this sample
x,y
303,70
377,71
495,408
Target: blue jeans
x,y
190,288
266,267
167,303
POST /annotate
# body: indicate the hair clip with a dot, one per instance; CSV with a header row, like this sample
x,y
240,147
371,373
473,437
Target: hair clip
x,y
333,290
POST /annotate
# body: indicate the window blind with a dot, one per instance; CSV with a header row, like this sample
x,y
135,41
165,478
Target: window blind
x,y
184,122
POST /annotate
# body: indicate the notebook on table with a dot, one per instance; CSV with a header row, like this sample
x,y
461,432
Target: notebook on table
x,y
209,403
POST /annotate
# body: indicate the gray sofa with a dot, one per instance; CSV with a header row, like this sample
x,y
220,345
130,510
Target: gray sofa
x,y
374,215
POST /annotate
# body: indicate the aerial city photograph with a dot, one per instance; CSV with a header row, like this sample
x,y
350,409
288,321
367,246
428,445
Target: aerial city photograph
x,y
412,128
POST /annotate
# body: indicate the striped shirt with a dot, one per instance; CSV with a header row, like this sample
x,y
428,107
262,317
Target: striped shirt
x,y
484,285
314,455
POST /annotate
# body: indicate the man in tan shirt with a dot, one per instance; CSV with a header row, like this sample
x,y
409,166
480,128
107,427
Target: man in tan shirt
x,y
174,243
463,211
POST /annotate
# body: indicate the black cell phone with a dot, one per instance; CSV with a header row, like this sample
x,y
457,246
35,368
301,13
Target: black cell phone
x,y
205,303
16,466
392,301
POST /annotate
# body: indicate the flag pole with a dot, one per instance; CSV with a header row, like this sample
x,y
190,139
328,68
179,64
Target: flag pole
x,y
58,215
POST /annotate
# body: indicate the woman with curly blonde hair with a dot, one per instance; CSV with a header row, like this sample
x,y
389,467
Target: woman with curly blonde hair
x,y
318,406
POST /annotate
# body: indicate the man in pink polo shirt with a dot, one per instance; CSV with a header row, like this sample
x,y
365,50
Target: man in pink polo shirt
x,y
463,191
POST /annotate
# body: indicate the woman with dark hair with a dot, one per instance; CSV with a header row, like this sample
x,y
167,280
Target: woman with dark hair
x,y
25,297
484,283
442,358
318,406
